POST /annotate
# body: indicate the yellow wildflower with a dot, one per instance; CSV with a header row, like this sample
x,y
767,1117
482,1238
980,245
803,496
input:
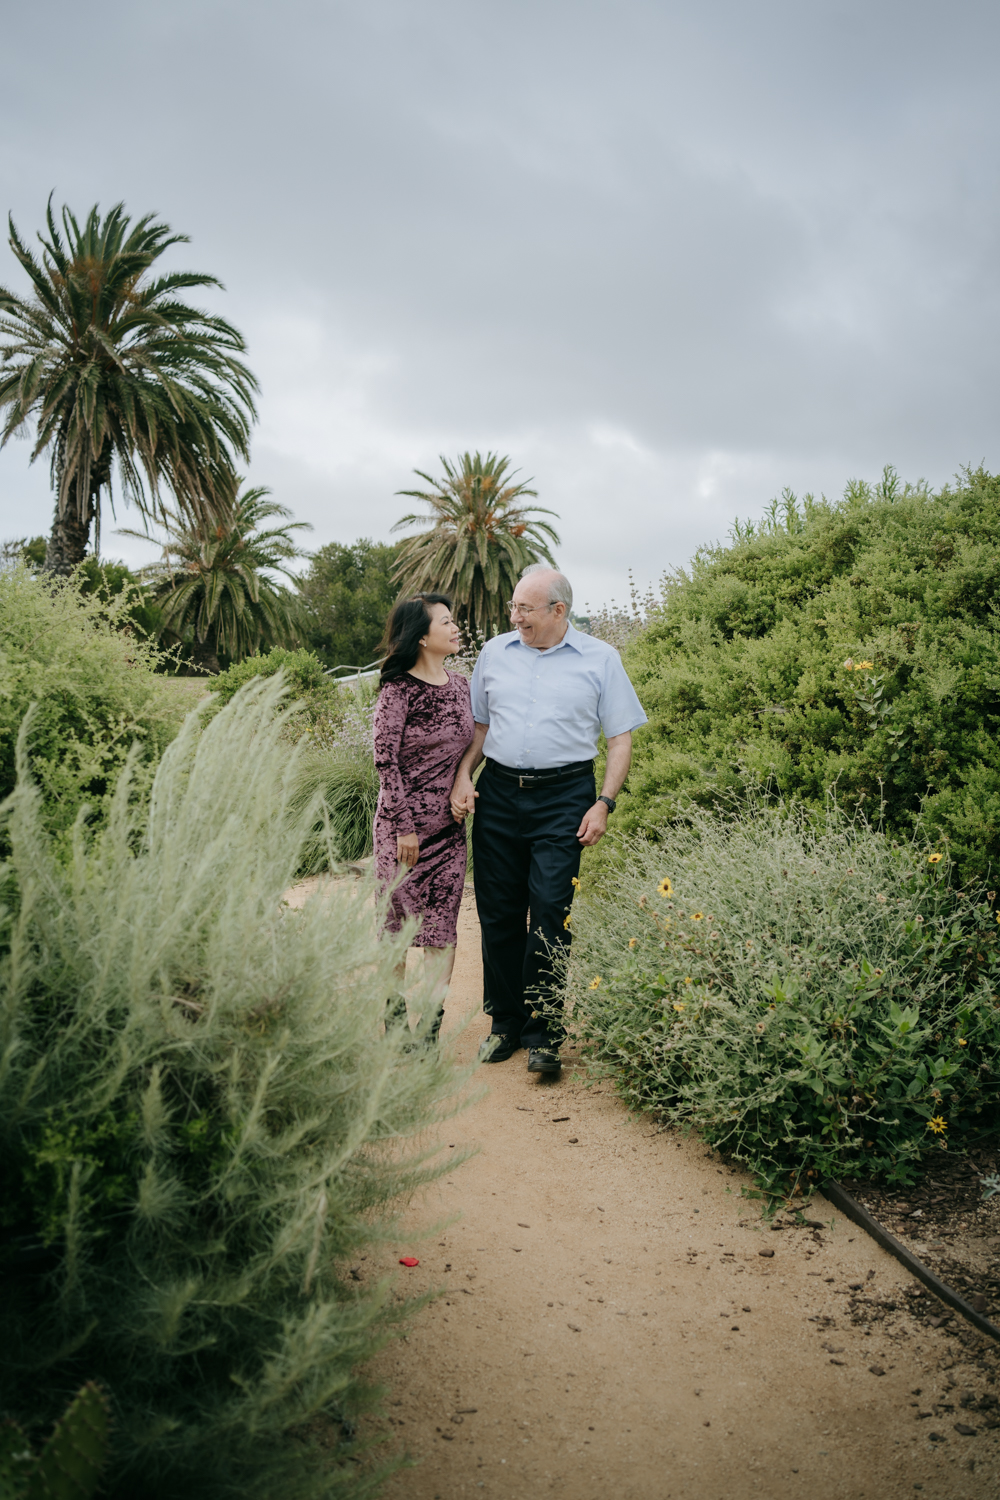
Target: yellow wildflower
x,y
962,1042
937,1124
665,888
575,881
934,859
567,920
689,980
632,942
679,1005
863,666
697,916
595,984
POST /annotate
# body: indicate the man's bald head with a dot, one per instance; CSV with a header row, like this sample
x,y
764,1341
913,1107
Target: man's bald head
x,y
558,585
542,601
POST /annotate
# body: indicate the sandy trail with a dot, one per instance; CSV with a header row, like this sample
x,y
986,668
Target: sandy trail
x,y
610,1323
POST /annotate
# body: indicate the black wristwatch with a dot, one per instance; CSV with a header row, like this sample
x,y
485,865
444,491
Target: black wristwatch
x,y
610,801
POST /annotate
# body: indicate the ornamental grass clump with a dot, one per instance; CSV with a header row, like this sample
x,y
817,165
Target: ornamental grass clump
x,y
816,1001
202,1123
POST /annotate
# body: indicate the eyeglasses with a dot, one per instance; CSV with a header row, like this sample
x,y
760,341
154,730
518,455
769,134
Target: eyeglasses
x,y
525,609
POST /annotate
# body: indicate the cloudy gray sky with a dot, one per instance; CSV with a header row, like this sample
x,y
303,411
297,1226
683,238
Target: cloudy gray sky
x,y
669,256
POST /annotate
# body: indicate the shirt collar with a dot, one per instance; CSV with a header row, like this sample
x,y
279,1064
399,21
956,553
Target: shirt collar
x,y
570,639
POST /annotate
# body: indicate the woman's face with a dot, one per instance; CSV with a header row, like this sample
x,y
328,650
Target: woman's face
x,y
443,636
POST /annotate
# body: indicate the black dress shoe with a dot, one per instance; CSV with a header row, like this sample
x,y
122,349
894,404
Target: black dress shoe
x,y
498,1047
543,1060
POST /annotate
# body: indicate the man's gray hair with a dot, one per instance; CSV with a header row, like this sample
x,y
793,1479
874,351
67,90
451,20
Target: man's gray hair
x,y
560,591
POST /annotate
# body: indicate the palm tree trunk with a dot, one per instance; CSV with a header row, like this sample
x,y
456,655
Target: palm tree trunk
x,y
67,544
203,656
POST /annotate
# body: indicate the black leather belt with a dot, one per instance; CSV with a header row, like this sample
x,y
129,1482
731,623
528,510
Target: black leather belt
x,y
527,780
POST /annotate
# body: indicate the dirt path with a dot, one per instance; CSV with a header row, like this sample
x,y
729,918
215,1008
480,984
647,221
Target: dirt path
x,y
611,1323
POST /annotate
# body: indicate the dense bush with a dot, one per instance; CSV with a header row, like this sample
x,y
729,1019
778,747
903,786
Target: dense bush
x,y
851,644
113,580
336,772
347,593
201,1120
816,1002
95,687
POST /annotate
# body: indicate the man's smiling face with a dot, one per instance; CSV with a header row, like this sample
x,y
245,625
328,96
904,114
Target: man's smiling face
x,y
543,624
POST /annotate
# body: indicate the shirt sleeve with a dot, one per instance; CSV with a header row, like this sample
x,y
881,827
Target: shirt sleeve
x,y
390,721
480,699
620,710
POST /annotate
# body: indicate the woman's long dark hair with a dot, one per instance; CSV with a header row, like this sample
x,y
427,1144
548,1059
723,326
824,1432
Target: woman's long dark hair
x,y
409,621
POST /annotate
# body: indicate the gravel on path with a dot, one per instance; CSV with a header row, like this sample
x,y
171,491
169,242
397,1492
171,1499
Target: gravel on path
x,y
616,1317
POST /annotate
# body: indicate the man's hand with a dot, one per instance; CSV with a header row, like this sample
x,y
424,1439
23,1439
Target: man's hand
x,y
463,797
594,825
407,849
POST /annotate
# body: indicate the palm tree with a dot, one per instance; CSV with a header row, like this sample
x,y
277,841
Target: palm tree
x,y
112,365
212,587
481,538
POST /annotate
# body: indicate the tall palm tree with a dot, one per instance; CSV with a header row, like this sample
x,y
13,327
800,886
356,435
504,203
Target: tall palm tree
x,y
482,535
111,365
212,586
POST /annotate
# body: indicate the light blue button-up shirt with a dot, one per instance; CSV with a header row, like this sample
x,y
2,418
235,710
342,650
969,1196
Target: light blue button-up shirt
x,y
547,708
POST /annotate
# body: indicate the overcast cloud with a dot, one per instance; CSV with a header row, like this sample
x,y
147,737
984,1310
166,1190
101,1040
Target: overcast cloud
x,y
671,257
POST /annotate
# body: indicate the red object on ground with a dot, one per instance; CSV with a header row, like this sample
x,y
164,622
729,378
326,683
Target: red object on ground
x,y
408,1260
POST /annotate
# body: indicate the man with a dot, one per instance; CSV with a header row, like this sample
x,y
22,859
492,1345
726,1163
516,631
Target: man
x,y
540,697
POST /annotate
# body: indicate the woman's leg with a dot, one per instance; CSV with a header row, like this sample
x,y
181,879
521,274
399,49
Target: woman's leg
x,y
395,1006
439,965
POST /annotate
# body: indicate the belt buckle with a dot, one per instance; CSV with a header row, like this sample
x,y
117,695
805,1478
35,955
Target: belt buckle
x,y
521,780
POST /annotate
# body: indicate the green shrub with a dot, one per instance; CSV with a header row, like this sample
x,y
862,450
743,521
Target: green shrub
x,y
303,672
113,580
345,786
337,771
96,690
815,1002
752,668
347,593
202,1120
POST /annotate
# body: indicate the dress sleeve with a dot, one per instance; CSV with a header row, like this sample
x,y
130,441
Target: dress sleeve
x,y
390,721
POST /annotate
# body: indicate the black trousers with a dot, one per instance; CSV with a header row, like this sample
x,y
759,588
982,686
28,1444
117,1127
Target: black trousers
x,y
525,857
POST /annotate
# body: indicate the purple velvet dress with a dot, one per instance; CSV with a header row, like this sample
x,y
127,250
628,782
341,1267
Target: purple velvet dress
x,y
422,730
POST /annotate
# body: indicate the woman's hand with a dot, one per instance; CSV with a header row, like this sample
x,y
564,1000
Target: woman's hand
x,y
407,849
463,797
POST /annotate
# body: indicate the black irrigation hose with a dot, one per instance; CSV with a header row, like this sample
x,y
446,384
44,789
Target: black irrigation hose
x,y
841,1198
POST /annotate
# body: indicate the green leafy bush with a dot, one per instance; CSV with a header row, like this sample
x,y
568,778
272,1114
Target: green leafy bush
x,y
113,580
337,772
347,593
816,1002
852,645
303,672
96,690
201,1119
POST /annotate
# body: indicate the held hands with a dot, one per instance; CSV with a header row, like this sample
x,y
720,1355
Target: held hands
x,y
463,798
594,825
407,849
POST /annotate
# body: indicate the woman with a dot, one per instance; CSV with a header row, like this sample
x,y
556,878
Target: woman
x,y
423,726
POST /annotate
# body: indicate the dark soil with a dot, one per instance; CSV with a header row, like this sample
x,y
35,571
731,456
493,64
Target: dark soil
x,y
947,1224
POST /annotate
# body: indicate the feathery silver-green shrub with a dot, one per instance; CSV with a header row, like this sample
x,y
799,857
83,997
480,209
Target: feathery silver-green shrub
x,y
817,1001
95,686
201,1124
